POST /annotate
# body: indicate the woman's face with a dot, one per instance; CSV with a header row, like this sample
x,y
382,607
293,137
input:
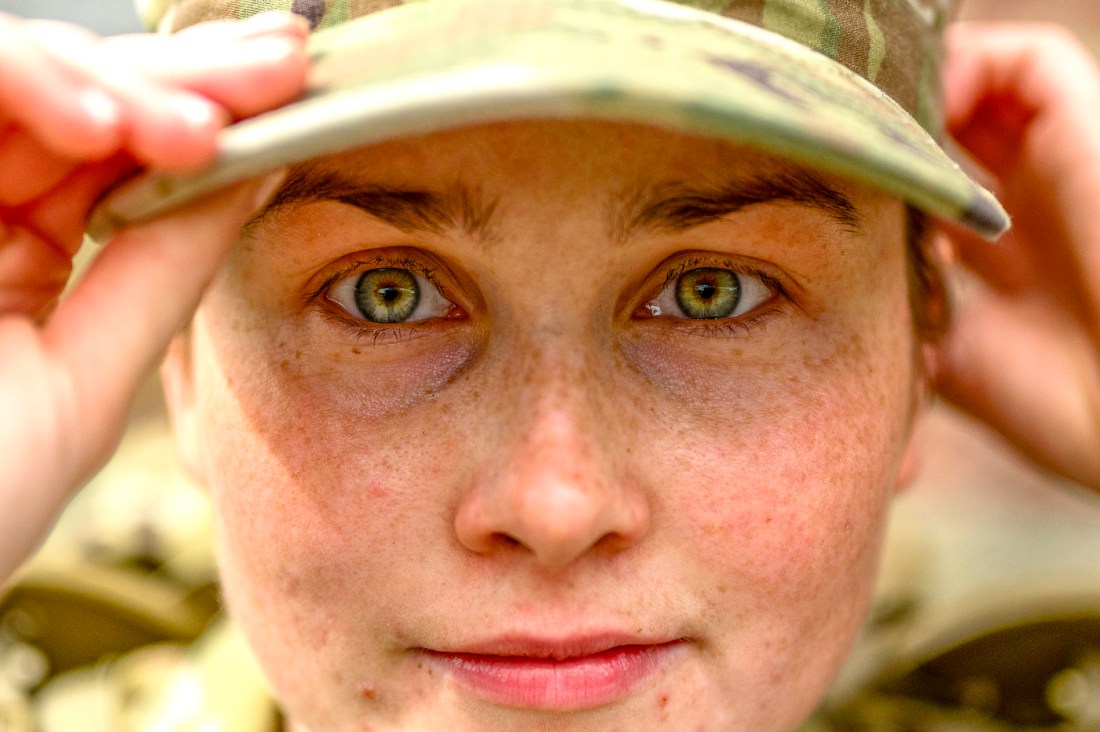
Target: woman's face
x,y
553,425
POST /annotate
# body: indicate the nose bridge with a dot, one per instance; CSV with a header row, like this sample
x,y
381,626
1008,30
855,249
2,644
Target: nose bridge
x,y
561,410
558,380
556,391
554,486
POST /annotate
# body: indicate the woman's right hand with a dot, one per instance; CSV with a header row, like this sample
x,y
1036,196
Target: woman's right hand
x,y
78,112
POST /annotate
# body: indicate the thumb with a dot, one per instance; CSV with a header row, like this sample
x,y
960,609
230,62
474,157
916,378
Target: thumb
x,y
141,289
1023,368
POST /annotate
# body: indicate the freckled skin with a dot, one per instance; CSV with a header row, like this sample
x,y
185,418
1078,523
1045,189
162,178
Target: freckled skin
x,y
551,462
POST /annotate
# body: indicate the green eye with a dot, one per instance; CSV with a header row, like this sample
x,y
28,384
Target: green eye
x,y
387,295
708,293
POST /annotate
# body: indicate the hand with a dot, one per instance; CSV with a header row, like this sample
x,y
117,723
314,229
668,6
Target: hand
x,y
76,113
1024,354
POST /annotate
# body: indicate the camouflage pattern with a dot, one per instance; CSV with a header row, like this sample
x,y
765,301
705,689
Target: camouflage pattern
x,y
894,44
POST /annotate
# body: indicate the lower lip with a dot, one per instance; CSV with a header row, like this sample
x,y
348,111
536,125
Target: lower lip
x,y
569,684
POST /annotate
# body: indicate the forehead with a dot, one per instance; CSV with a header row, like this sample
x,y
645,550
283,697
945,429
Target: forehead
x,y
575,147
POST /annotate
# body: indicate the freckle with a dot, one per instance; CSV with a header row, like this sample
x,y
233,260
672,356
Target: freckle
x,y
356,351
369,694
722,589
297,354
284,364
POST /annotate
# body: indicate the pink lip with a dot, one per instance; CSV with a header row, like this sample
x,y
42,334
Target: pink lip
x,y
563,675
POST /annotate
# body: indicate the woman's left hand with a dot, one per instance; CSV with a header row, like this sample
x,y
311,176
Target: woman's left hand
x,y
1024,353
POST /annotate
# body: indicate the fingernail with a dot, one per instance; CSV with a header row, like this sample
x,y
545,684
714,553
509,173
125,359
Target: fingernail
x,y
100,106
270,49
102,225
198,113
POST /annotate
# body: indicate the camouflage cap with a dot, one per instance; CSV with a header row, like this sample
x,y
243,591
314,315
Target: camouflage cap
x,y
894,44
848,85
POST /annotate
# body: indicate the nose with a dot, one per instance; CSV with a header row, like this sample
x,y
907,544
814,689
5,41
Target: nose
x,y
556,490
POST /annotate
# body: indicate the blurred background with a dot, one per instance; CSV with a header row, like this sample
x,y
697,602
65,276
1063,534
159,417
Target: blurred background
x,y
102,16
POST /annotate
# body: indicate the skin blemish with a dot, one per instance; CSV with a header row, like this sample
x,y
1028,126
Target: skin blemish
x,y
369,693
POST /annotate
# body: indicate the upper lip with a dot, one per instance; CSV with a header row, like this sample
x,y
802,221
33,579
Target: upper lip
x,y
553,648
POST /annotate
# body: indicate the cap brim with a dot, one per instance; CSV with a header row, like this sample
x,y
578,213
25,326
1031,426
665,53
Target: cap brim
x,y
424,67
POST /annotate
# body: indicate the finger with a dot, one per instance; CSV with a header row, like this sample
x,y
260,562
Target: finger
x,y
1014,271
246,66
999,264
71,117
31,168
33,273
1046,153
59,218
992,363
1004,81
165,126
139,292
266,73
38,241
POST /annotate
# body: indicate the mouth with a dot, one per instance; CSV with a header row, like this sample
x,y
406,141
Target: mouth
x,y
555,675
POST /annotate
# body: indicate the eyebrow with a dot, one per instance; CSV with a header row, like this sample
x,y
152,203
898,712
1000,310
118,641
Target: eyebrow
x,y
405,209
668,207
687,207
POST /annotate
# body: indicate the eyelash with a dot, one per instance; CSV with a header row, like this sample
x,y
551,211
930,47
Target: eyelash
x,y
362,329
724,327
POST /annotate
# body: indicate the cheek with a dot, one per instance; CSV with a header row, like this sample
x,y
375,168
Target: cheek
x,y
319,485
316,462
782,464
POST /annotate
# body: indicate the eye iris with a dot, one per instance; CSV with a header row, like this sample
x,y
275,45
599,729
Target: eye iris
x,y
387,295
708,293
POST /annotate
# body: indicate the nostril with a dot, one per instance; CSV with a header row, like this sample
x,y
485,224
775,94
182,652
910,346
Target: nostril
x,y
504,541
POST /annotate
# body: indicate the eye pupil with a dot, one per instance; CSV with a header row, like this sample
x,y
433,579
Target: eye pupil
x,y
705,291
708,293
387,295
